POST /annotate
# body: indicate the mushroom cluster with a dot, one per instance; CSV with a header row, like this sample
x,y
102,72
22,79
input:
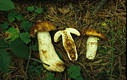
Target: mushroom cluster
x,y
48,55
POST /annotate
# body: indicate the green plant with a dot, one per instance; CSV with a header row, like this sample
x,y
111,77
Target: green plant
x,y
50,76
36,11
3,44
74,72
19,48
13,15
110,23
4,25
6,5
39,10
12,33
30,8
4,60
15,39
26,25
36,68
25,37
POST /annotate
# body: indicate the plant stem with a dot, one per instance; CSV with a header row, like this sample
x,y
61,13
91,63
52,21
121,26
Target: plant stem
x,y
112,51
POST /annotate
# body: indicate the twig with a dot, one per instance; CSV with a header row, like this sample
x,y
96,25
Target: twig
x,y
35,60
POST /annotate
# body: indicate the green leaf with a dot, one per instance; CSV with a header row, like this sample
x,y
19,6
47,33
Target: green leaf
x,y
35,67
74,71
25,37
79,78
13,33
12,13
4,61
30,8
11,16
39,10
4,26
26,25
50,76
19,48
19,17
3,44
6,5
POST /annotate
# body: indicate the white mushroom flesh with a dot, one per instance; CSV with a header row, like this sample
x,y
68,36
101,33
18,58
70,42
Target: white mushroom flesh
x,y
48,56
68,42
92,44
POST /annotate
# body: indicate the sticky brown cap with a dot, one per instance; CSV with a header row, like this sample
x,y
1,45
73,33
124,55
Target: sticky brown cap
x,y
92,32
41,27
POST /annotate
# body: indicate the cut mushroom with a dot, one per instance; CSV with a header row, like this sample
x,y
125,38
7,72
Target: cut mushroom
x,y
92,43
68,42
48,56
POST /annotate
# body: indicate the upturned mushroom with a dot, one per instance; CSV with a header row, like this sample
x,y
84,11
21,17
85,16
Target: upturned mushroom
x,y
68,42
92,43
48,56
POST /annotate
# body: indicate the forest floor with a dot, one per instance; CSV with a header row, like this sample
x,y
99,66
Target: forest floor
x,y
108,18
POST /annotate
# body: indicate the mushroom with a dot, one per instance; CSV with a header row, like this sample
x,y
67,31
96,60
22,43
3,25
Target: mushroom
x,y
48,56
68,42
92,43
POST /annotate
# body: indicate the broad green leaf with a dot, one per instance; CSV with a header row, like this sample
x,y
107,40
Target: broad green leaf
x,y
30,8
19,48
79,78
19,17
12,13
74,71
6,5
3,44
11,16
25,37
4,61
13,33
39,10
4,26
26,25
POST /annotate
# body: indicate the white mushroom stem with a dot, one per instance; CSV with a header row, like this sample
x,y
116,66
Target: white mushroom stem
x,y
68,42
92,44
48,56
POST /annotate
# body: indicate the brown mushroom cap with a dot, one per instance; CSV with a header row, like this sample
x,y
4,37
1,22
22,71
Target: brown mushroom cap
x,y
41,27
92,32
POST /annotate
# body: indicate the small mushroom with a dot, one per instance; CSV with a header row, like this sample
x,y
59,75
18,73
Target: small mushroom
x,y
48,56
92,43
68,42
